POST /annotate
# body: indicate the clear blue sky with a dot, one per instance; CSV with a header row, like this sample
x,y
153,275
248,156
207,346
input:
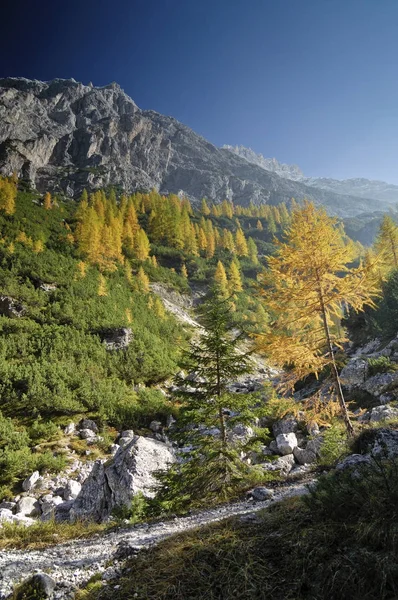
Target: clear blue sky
x,y
311,82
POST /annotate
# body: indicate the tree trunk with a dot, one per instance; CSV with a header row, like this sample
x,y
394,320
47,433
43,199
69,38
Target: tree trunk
x,y
220,409
335,373
394,252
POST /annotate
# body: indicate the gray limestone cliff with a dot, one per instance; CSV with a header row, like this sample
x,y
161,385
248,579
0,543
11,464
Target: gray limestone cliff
x,y
64,136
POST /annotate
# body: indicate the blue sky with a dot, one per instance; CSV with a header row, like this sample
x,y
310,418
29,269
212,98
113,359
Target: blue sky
x,y
311,82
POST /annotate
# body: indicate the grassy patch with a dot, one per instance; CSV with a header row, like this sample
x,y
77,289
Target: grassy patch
x,y
41,535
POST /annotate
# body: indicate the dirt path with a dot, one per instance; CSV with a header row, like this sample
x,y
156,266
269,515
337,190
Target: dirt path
x,y
71,564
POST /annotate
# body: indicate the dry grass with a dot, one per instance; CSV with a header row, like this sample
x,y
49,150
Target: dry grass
x,y
41,535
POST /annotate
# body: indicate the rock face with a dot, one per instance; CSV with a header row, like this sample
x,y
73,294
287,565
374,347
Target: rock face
x,y
64,136
117,339
11,308
114,484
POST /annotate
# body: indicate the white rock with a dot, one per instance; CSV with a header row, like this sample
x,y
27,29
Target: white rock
x,y
70,428
115,483
28,507
87,434
286,442
30,481
6,515
72,489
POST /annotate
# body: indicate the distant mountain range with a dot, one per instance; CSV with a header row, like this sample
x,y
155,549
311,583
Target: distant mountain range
x,y
386,193
65,136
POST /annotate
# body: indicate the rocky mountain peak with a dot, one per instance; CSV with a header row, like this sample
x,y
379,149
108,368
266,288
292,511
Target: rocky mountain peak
x,y
270,164
64,136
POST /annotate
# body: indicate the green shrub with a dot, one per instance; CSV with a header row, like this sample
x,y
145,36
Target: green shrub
x,y
382,364
334,446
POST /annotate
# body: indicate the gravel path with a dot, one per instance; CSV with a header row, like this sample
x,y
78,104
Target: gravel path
x,y
71,564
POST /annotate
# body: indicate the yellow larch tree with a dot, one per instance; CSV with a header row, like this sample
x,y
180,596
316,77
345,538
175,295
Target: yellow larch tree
x,y
8,193
305,287
142,281
240,243
259,225
234,278
252,250
47,202
221,281
386,245
142,246
204,209
102,288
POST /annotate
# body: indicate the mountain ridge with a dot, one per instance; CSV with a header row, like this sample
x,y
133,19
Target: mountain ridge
x,y
65,136
354,186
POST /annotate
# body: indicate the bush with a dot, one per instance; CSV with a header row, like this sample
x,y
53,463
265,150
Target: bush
x,y
382,364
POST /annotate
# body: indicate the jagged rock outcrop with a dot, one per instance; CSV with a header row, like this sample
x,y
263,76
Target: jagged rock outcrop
x,y
292,172
113,484
64,136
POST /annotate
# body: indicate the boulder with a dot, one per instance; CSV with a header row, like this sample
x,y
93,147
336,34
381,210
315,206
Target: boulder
x,y
88,424
113,484
286,442
288,425
8,505
284,464
6,515
382,413
315,444
30,481
354,373
28,507
155,426
72,489
87,434
261,493
62,511
242,431
381,442
69,429
381,383
304,456
11,308
48,505
117,339
353,462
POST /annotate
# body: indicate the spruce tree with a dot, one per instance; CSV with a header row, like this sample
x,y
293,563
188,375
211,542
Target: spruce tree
x,y
214,468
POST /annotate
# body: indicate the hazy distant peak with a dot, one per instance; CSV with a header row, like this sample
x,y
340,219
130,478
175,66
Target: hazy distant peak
x,y
270,164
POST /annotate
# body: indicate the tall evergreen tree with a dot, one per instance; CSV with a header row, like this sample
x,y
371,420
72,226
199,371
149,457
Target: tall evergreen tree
x,y
214,468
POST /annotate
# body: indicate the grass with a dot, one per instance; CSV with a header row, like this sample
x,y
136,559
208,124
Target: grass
x,y
338,543
44,534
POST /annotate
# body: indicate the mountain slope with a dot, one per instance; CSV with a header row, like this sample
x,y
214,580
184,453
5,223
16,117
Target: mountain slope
x,y
64,136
